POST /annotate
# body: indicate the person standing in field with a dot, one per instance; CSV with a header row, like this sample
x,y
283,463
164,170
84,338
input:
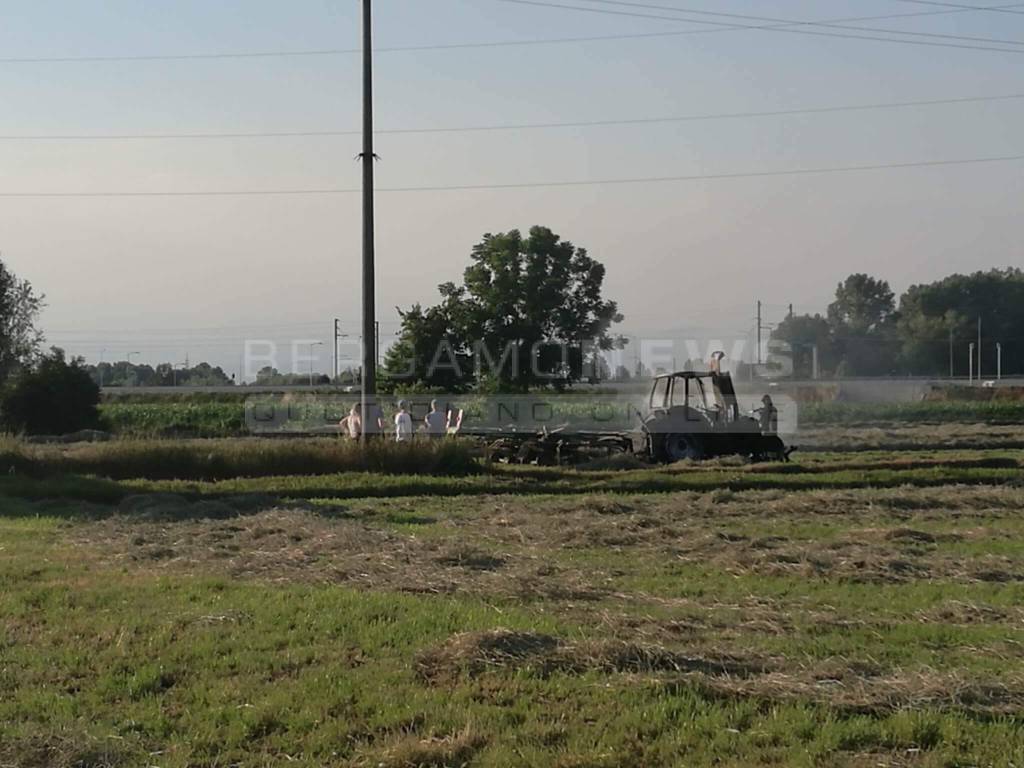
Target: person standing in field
x,y
769,419
435,421
403,423
351,425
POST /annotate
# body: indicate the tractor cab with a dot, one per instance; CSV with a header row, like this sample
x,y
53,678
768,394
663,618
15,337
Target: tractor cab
x,y
698,397
695,415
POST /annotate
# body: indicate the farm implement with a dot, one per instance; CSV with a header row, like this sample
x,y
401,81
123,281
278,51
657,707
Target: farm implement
x,y
690,415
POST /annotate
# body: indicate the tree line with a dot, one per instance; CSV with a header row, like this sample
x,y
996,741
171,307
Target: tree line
x,y
530,312
928,332
124,374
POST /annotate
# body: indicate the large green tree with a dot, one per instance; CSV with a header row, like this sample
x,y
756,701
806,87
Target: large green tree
x,y
863,323
20,340
863,305
933,314
530,311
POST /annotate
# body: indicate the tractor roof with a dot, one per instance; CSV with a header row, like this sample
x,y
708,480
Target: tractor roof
x,y
689,375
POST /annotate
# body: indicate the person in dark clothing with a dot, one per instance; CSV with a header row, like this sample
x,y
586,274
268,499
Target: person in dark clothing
x,y
769,418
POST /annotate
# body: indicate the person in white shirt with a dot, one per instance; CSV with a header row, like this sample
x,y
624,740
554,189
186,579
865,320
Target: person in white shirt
x,y
403,423
436,421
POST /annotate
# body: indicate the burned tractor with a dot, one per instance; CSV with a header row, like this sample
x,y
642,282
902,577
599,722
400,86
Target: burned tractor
x,y
695,415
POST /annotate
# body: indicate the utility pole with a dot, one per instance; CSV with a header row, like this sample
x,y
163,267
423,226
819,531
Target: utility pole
x,y
376,339
759,361
337,329
979,349
999,361
951,353
790,311
369,381
970,367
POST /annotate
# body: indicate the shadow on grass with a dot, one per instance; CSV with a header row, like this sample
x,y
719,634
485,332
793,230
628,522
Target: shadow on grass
x,y
162,500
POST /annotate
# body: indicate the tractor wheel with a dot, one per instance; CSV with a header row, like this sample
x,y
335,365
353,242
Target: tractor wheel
x,y
678,447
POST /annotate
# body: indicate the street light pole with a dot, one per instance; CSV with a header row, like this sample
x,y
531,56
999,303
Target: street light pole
x,y
369,379
979,349
999,361
99,368
970,367
950,353
337,329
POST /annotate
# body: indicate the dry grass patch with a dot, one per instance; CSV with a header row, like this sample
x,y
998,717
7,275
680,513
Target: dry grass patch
x,y
447,751
299,545
62,750
474,653
882,694
848,686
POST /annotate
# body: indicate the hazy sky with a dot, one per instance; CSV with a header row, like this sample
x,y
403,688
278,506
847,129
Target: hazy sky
x,y
170,276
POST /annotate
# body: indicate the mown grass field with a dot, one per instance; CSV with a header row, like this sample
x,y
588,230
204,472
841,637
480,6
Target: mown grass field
x,y
177,604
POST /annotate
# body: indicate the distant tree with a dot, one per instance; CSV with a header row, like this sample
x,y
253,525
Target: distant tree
x,y
348,377
52,397
271,377
863,305
622,373
267,375
862,320
20,340
804,334
125,374
529,312
429,349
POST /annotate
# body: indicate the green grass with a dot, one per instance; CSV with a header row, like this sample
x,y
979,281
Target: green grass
x,y
175,419
842,610
108,661
932,412
370,485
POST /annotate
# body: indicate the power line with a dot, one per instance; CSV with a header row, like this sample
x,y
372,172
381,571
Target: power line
x,y
526,185
180,331
772,28
516,126
467,46
835,24
994,9
184,329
